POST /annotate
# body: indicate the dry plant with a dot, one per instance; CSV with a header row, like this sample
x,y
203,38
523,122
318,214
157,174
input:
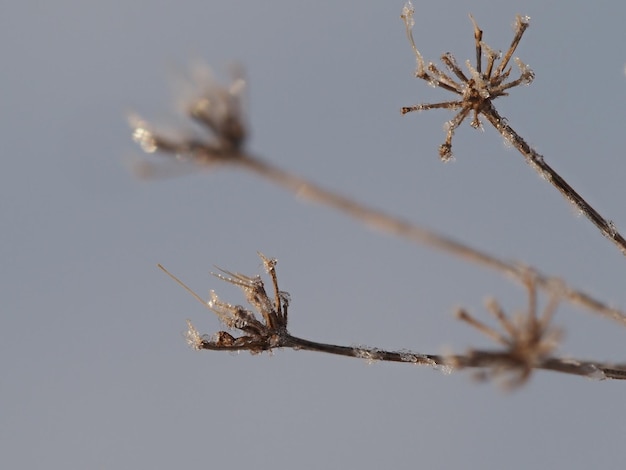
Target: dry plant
x,y
475,95
528,340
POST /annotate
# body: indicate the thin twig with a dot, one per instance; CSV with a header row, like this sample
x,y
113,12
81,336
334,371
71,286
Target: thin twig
x,y
416,234
537,162
448,363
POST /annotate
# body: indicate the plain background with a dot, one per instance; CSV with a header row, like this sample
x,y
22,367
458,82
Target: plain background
x,y
95,372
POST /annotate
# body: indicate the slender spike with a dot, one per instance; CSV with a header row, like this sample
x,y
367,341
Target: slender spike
x,y
450,62
423,107
478,37
521,24
409,22
495,309
445,82
463,315
184,286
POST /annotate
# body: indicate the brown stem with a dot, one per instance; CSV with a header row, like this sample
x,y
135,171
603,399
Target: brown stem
x,y
409,231
535,160
475,359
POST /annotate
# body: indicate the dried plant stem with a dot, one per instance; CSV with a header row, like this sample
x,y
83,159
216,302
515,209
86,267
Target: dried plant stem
x,y
409,231
535,160
369,216
475,359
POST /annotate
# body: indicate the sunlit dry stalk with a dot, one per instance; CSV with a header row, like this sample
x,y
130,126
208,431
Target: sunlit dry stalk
x,y
527,345
476,93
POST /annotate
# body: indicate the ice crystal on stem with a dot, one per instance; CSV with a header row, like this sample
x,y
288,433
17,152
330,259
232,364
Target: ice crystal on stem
x,y
193,337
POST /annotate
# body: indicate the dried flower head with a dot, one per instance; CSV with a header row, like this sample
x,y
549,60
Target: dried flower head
x,y
528,338
264,327
220,108
219,111
475,91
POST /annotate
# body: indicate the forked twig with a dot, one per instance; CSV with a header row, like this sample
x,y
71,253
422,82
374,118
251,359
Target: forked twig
x,y
476,95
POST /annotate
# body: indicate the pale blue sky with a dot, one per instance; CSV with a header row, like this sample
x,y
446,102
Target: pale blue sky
x,y
95,372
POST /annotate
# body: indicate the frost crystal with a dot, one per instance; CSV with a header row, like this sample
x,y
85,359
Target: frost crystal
x,y
445,369
142,134
596,374
371,355
527,73
508,140
192,336
592,371
407,13
408,356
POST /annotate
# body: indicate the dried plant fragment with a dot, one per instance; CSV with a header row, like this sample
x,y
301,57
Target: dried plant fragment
x,y
475,91
218,109
528,338
262,328
475,94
